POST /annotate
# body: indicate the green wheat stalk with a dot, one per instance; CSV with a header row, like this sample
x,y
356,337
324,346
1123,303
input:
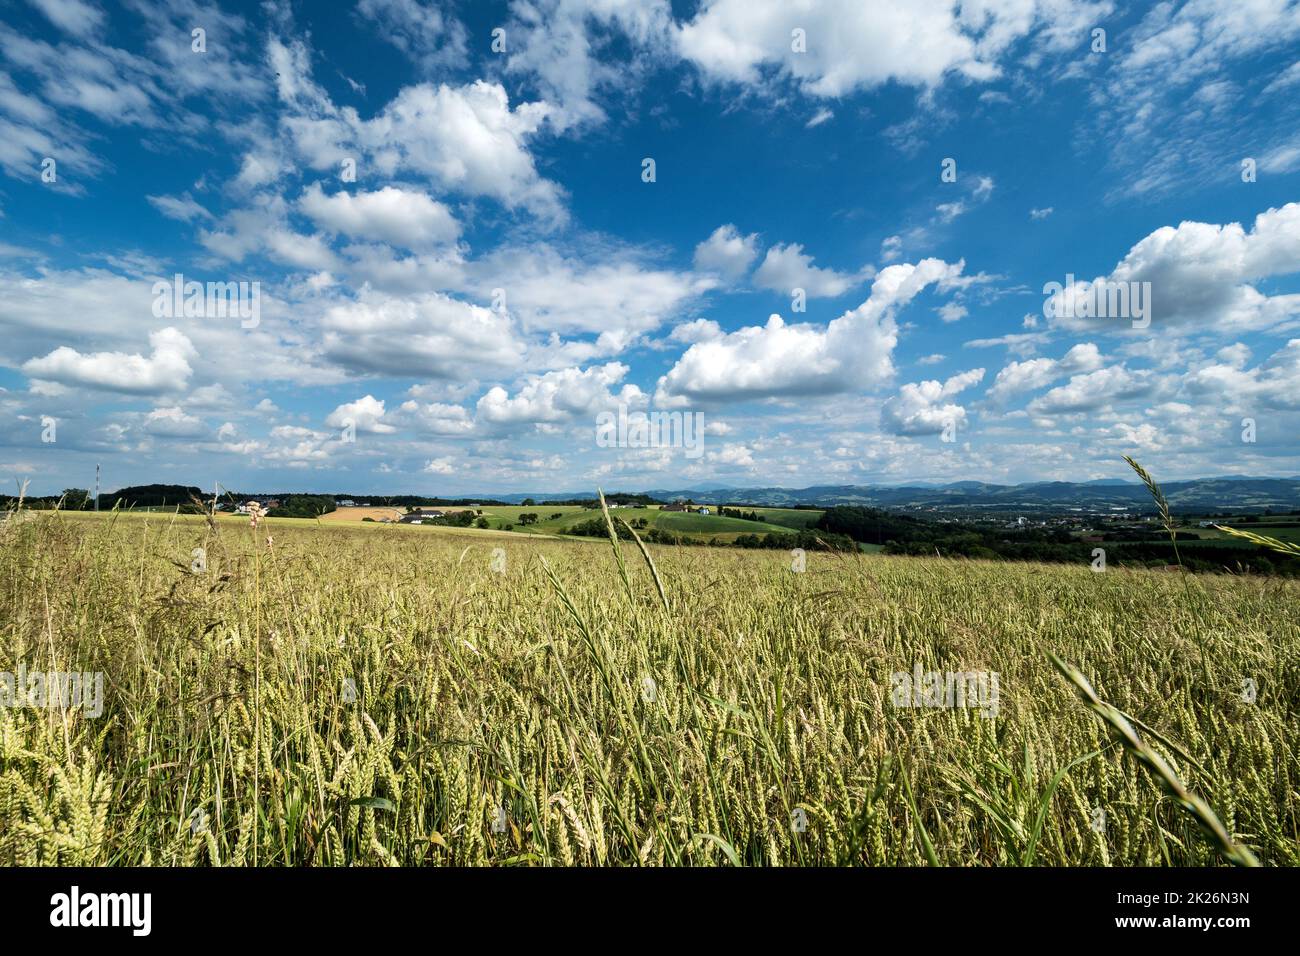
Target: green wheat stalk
x,y
1141,751
1273,544
654,572
1161,503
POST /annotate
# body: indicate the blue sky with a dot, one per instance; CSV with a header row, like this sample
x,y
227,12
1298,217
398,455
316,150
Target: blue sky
x,y
499,273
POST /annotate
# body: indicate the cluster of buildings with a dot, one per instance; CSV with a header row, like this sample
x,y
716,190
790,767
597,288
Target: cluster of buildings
x,y
419,516
1083,522
249,506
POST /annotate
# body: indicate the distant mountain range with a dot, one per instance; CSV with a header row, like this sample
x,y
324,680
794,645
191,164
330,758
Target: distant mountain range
x,y
1238,493
1225,493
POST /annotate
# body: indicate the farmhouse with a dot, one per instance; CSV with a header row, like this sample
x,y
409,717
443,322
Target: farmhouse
x,y
675,506
419,517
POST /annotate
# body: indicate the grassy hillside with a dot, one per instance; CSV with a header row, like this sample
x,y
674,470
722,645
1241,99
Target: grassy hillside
x,y
512,512
687,523
371,694
795,518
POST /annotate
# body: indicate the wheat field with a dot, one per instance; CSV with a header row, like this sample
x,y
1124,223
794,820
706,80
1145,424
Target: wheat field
x,y
410,696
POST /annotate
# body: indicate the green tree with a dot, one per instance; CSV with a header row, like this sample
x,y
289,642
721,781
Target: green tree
x,y
75,499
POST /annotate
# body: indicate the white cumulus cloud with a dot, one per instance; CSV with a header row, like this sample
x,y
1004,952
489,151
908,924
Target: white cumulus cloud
x,y
166,369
